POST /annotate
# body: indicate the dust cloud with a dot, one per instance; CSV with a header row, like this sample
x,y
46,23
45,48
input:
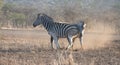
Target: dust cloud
x,y
99,36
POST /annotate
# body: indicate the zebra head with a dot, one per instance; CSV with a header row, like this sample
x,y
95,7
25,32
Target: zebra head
x,y
42,18
37,21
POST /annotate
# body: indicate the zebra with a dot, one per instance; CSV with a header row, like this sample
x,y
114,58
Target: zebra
x,y
60,30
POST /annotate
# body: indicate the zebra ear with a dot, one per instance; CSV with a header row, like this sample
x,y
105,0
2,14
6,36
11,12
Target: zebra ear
x,y
43,14
38,14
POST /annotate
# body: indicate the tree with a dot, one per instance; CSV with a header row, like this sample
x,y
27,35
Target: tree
x,y
18,19
1,3
8,7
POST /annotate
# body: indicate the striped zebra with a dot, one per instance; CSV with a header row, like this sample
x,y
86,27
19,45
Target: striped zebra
x,y
60,30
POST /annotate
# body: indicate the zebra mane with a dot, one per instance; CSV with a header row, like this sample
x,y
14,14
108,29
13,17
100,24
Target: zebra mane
x,y
46,17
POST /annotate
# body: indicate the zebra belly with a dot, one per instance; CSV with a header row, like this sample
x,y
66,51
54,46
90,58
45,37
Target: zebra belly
x,y
61,35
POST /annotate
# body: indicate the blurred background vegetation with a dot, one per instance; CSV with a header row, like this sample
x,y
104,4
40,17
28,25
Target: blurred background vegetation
x,y
98,14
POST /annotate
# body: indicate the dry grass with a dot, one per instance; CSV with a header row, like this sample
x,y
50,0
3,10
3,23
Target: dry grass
x,y
29,51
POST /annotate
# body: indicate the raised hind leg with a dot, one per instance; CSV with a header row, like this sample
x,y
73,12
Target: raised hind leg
x,y
70,40
74,38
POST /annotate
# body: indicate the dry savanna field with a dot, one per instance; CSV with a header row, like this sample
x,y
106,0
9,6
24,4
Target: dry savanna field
x,y
32,47
21,44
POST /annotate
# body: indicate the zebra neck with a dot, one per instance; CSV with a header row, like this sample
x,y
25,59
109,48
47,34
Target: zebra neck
x,y
47,25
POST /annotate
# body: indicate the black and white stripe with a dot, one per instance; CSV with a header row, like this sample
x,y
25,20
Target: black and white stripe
x,y
60,30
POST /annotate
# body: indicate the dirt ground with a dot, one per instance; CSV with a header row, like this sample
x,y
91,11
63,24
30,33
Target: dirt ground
x,y
32,47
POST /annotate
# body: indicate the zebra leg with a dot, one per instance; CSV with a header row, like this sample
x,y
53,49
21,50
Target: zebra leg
x,y
81,40
74,38
70,40
56,42
51,40
55,38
